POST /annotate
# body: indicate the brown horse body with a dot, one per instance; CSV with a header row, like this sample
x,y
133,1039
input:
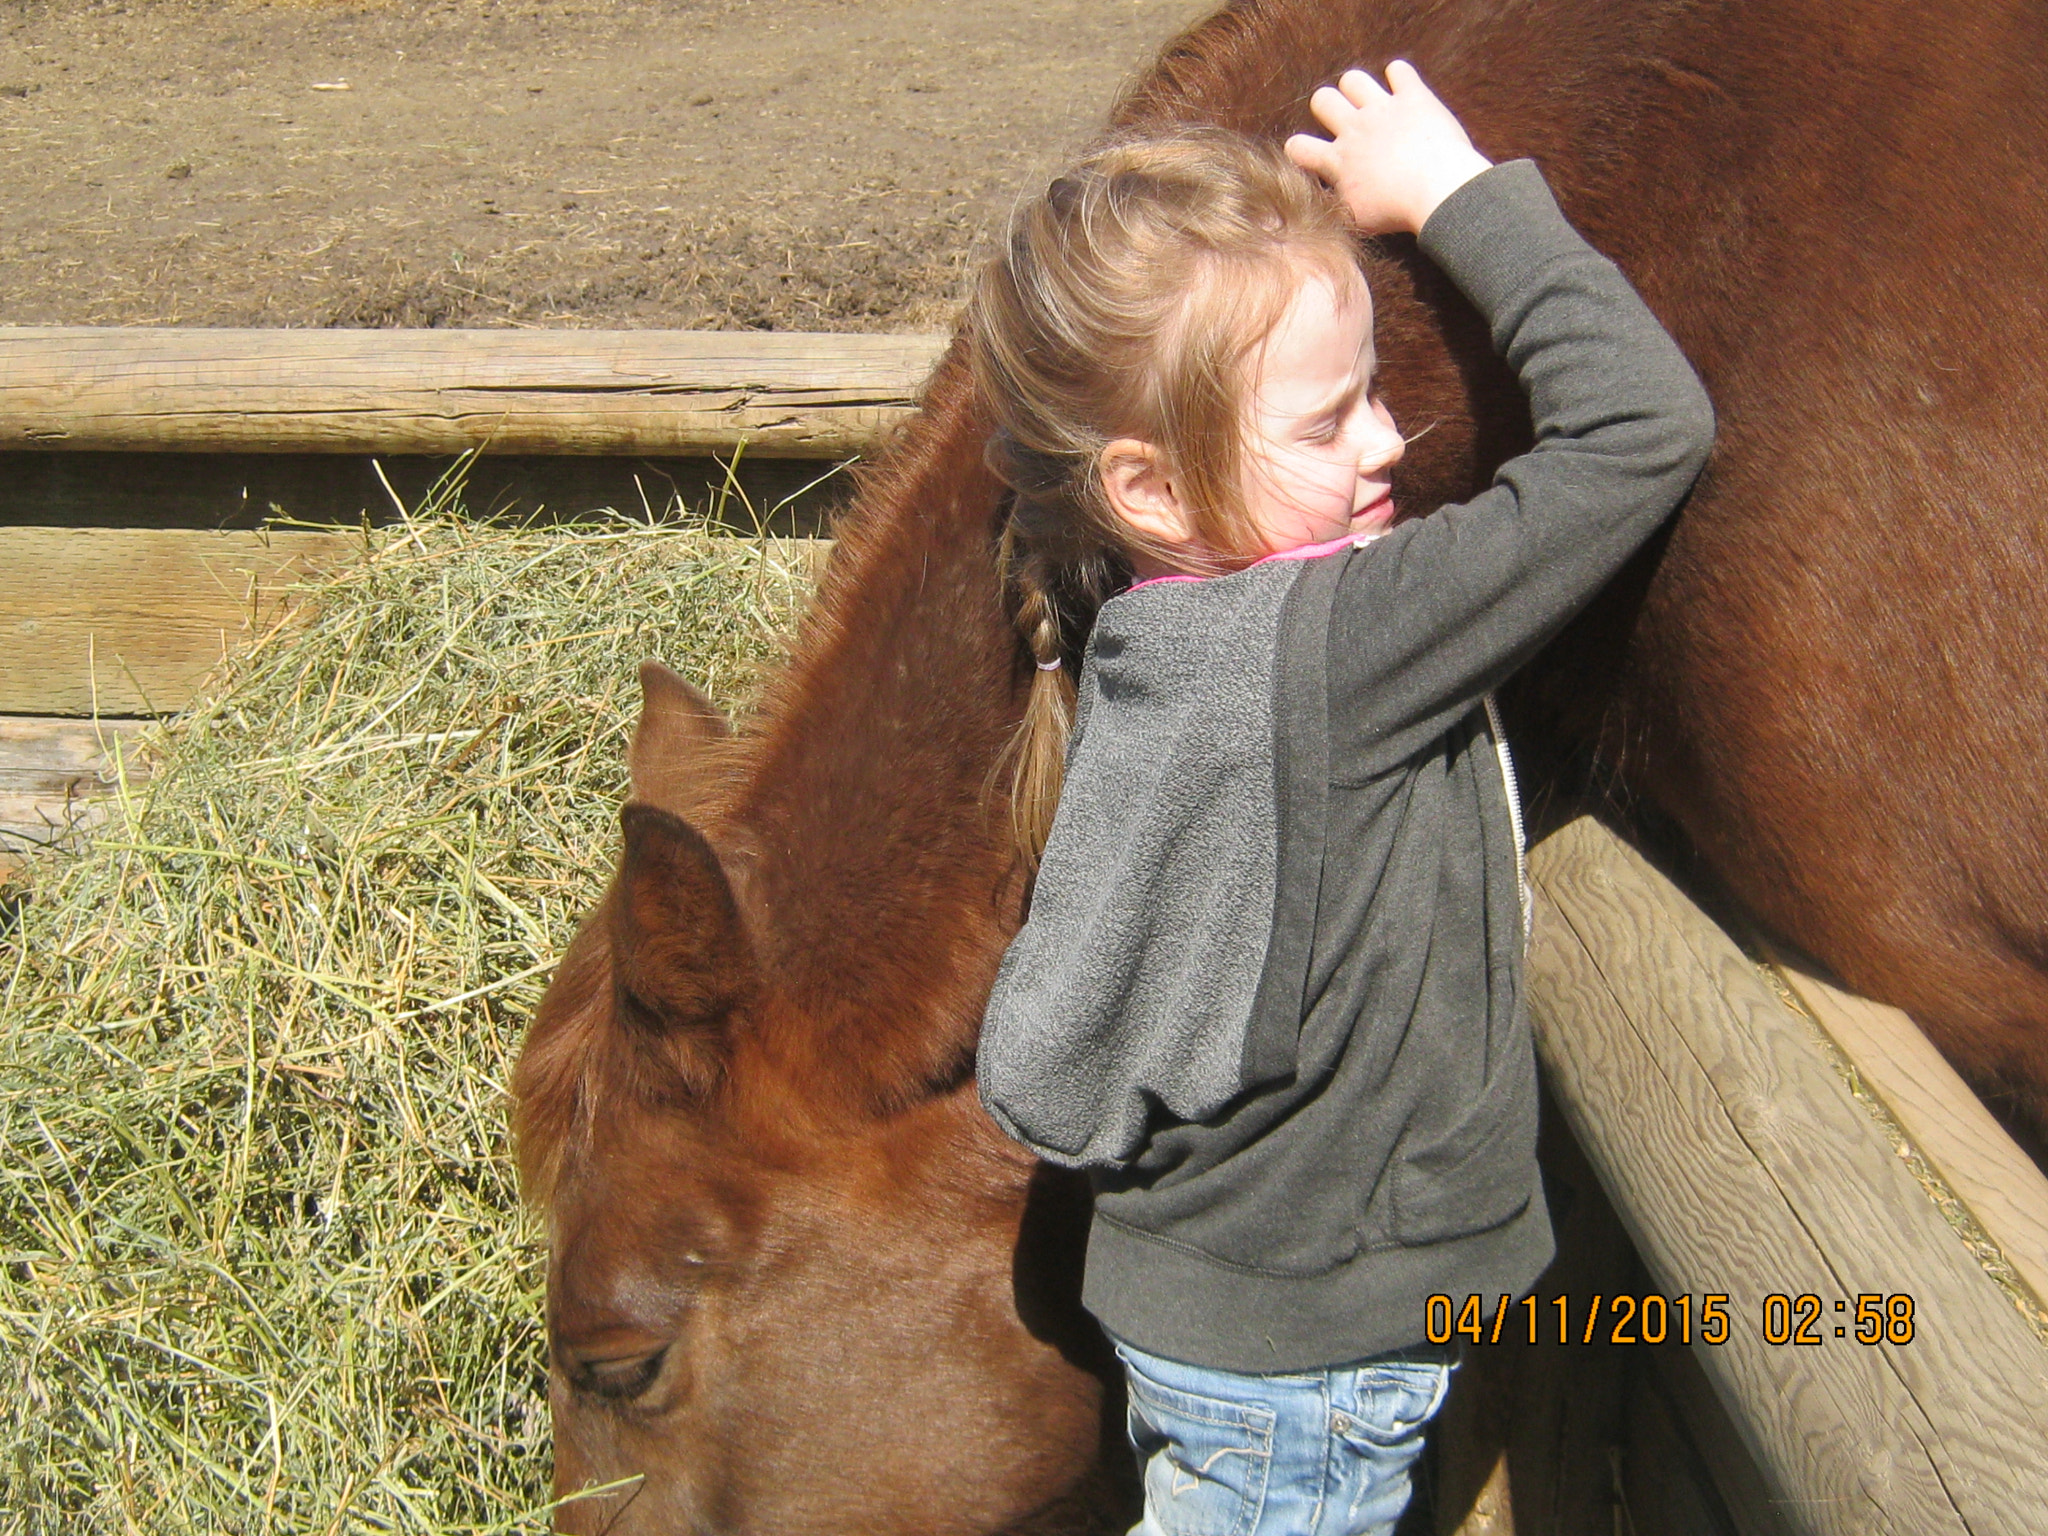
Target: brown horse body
x,y
798,1282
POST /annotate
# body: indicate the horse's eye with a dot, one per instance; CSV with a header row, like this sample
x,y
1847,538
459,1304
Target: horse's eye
x,y
617,1379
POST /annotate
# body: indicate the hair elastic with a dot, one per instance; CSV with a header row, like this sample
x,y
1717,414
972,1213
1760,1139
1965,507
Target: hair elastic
x,y
1050,666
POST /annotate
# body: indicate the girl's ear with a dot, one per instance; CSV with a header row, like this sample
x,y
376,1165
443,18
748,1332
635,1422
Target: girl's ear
x,y
1141,490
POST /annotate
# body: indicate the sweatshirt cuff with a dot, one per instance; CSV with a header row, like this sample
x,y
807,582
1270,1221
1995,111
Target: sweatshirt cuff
x,y
1497,232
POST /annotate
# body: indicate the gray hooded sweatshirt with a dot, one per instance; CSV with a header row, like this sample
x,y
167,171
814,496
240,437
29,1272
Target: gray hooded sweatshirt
x,y
1269,992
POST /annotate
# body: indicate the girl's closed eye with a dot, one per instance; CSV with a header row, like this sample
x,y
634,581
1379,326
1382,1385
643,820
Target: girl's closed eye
x,y
1329,425
1343,418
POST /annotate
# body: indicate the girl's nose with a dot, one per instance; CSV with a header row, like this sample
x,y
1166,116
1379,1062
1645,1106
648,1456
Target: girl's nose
x,y
1384,445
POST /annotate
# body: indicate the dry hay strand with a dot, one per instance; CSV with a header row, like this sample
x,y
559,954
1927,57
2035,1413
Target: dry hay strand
x,y
262,1263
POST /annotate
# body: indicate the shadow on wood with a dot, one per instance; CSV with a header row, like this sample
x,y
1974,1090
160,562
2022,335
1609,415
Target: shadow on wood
x,y
791,498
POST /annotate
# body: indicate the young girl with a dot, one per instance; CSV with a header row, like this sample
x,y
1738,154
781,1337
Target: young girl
x,y
1269,991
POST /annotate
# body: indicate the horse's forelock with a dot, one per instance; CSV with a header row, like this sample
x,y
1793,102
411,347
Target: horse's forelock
x,y
552,1087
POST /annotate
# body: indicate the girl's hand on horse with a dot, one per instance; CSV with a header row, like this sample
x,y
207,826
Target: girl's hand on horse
x,y
1395,152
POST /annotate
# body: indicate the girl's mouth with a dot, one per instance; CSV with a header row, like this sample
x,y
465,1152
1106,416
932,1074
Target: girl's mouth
x,y
1375,514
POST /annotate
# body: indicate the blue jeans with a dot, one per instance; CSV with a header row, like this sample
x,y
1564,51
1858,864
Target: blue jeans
x,y
1319,1453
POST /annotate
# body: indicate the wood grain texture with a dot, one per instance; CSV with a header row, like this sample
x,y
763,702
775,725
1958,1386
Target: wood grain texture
x,y
127,621
54,773
784,394
1948,1123
1740,1164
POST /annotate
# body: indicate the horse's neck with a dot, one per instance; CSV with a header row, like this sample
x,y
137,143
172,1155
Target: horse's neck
x,y
881,869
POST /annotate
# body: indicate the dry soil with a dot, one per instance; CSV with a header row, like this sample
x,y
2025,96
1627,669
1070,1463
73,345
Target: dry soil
x,y
787,164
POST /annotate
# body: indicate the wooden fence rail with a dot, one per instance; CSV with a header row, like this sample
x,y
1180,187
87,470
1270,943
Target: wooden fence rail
x,y
783,394
1741,1164
118,622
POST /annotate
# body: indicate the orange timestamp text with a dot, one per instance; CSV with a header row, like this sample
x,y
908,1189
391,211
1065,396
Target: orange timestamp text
x,y
1657,1319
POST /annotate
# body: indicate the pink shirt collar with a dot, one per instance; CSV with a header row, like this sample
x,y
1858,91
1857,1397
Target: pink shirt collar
x,y
1299,552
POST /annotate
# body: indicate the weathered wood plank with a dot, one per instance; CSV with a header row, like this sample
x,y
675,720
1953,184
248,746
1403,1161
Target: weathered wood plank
x,y
54,773
586,392
1740,1164
127,621
1667,1482
130,620
1947,1123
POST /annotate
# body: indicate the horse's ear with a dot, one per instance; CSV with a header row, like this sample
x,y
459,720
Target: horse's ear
x,y
677,725
680,957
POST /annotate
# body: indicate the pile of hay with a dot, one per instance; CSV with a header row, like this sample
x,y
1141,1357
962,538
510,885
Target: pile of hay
x,y
262,1264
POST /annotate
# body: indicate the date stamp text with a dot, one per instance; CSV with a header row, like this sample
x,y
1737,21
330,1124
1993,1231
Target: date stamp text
x,y
1654,1319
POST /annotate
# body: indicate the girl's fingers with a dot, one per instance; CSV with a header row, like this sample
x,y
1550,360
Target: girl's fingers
x,y
1360,88
1316,156
1407,81
1330,107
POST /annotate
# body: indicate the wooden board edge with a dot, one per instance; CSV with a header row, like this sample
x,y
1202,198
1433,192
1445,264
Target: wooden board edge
x,y
2000,1186
103,656
781,394
1706,1170
57,775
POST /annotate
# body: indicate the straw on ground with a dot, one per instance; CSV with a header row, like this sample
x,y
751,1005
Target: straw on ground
x,y
262,1266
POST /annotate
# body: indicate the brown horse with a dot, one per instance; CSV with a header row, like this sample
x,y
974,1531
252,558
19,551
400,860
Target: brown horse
x,y
798,1283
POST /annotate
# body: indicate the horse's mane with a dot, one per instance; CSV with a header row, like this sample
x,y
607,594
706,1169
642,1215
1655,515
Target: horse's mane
x,y
851,814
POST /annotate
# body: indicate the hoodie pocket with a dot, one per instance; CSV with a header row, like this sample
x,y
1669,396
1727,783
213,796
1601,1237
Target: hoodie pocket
x,y
1475,1174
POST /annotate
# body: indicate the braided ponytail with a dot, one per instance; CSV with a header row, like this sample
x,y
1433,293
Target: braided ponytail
x,y
1036,755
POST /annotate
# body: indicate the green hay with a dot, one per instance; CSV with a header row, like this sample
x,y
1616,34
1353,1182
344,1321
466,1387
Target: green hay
x,y
262,1265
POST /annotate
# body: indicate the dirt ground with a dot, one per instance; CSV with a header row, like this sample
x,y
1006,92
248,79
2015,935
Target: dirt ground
x,y
788,164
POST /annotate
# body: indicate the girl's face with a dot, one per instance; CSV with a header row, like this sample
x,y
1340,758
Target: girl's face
x,y
1319,444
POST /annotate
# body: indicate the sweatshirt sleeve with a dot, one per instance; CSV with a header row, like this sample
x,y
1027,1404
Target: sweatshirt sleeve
x,y
1441,609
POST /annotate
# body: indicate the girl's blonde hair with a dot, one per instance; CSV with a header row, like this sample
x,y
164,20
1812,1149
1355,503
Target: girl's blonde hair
x,y
1127,301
